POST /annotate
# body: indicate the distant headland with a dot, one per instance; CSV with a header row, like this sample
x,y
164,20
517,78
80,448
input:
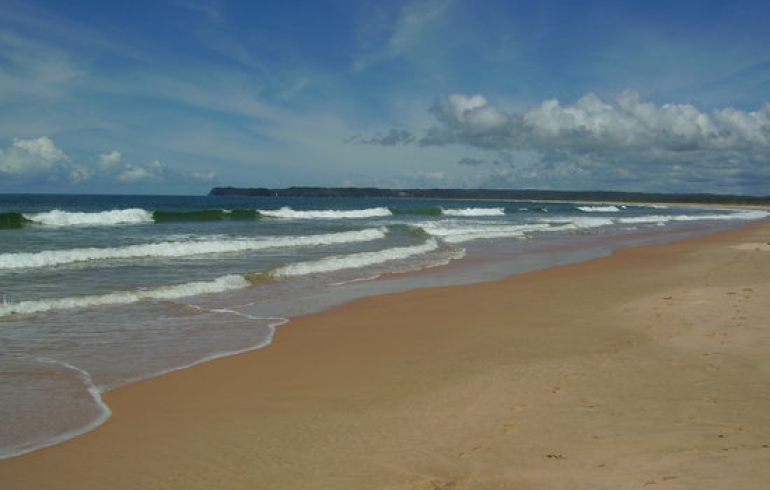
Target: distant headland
x,y
497,194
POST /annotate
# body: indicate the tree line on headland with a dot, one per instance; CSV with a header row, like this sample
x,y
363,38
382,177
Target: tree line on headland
x,y
495,194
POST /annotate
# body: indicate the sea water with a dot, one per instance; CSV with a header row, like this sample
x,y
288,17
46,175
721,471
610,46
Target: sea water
x,y
100,291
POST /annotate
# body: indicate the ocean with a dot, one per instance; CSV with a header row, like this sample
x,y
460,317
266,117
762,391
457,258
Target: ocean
x,y
100,291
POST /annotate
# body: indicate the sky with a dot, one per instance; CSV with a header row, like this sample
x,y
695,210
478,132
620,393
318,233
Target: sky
x,y
179,96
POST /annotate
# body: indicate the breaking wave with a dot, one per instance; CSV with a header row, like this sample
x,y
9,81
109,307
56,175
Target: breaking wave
x,y
219,285
179,249
664,218
58,217
452,232
288,213
600,209
353,261
474,212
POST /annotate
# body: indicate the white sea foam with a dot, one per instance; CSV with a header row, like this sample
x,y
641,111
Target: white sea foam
x,y
49,258
272,324
473,212
586,223
96,392
748,214
652,218
218,285
58,217
600,209
289,213
459,232
93,391
353,261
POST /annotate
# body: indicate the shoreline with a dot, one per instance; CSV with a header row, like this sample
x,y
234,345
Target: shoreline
x,y
432,387
455,272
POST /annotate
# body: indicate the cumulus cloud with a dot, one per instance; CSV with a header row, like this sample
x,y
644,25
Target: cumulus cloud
x,y
111,159
133,174
619,141
33,156
40,161
591,124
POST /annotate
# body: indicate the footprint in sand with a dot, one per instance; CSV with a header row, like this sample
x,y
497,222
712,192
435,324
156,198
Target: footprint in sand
x,y
472,451
555,456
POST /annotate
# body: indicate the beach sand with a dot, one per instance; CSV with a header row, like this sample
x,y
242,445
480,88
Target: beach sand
x,y
646,369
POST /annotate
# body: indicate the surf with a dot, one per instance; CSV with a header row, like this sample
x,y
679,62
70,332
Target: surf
x,y
59,218
353,261
473,212
287,212
180,249
221,284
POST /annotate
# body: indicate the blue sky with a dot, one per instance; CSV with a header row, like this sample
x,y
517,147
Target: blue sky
x,y
177,96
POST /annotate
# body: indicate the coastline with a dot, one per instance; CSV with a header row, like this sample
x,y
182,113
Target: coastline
x,y
643,367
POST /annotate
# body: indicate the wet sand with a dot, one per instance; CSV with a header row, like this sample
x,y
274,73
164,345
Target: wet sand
x,y
646,369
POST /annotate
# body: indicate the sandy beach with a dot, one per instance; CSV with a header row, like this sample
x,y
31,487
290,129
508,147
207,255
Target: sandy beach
x,y
646,369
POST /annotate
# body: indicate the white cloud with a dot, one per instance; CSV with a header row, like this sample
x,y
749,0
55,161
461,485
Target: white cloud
x,y
40,161
31,157
591,124
743,126
135,174
79,174
485,119
620,142
459,104
107,160
209,176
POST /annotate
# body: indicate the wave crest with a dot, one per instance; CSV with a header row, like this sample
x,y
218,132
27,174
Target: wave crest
x,y
599,209
49,258
353,261
57,217
287,212
218,285
472,212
